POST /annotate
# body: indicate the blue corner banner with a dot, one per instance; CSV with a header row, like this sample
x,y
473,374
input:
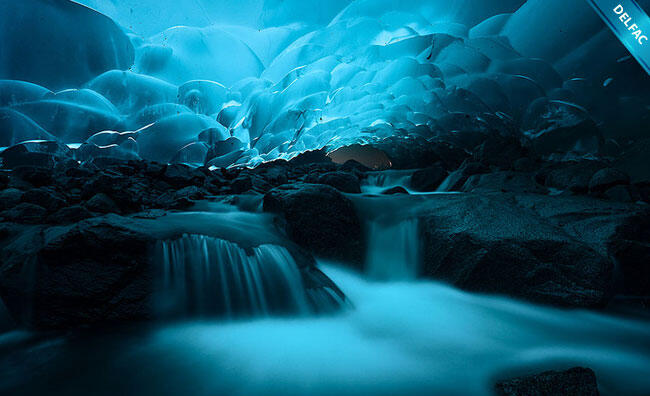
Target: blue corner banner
x,y
630,24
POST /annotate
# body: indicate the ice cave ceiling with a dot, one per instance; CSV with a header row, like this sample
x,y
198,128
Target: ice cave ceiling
x,y
244,81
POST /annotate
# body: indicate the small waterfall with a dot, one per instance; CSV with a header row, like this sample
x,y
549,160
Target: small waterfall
x,y
206,276
376,182
393,250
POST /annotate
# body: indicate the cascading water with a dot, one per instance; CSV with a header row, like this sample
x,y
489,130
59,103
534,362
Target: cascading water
x,y
393,250
376,182
206,276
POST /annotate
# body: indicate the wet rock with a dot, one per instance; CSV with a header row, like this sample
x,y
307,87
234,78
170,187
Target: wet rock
x,y
428,179
34,175
634,161
320,219
395,190
342,181
275,175
630,246
561,127
179,175
607,178
574,176
70,214
96,271
26,213
9,198
622,193
241,184
41,153
524,164
457,178
45,197
354,167
487,243
504,181
102,203
577,381
499,152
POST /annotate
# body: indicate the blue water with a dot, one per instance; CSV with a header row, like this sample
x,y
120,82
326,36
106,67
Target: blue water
x,y
415,338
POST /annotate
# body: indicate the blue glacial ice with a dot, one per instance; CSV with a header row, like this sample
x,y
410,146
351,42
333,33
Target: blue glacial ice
x,y
282,77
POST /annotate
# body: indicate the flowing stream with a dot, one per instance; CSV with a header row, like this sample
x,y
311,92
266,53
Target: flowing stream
x,y
393,250
407,338
204,276
398,335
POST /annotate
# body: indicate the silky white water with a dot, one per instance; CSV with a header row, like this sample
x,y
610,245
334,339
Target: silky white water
x,y
204,276
401,338
393,250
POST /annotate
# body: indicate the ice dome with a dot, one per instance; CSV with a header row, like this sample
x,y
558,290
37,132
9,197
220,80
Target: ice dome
x,y
283,77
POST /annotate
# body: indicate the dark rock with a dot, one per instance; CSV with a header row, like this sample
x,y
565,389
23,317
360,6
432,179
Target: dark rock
x,y
70,214
42,153
630,246
622,193
26,213
241,184
559,127
499,152
504,181
354,166
219,148
577,381
644,191
33,175
127,192
487,243
96,271
9,198
181,199
428,179
607,178
44,197
395,190
179,175
457,178
524,164
320,219
102,203
573,176
4,180
634,161
342,181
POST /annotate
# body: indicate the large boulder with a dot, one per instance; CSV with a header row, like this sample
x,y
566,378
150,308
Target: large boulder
x,y
574,176
342,181
488,243
43,153
109,269
504,181
630,246
607,178
577,381
428,179
320,219
92,272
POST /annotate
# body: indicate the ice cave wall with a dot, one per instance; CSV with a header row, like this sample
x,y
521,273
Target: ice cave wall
x,y
241,82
